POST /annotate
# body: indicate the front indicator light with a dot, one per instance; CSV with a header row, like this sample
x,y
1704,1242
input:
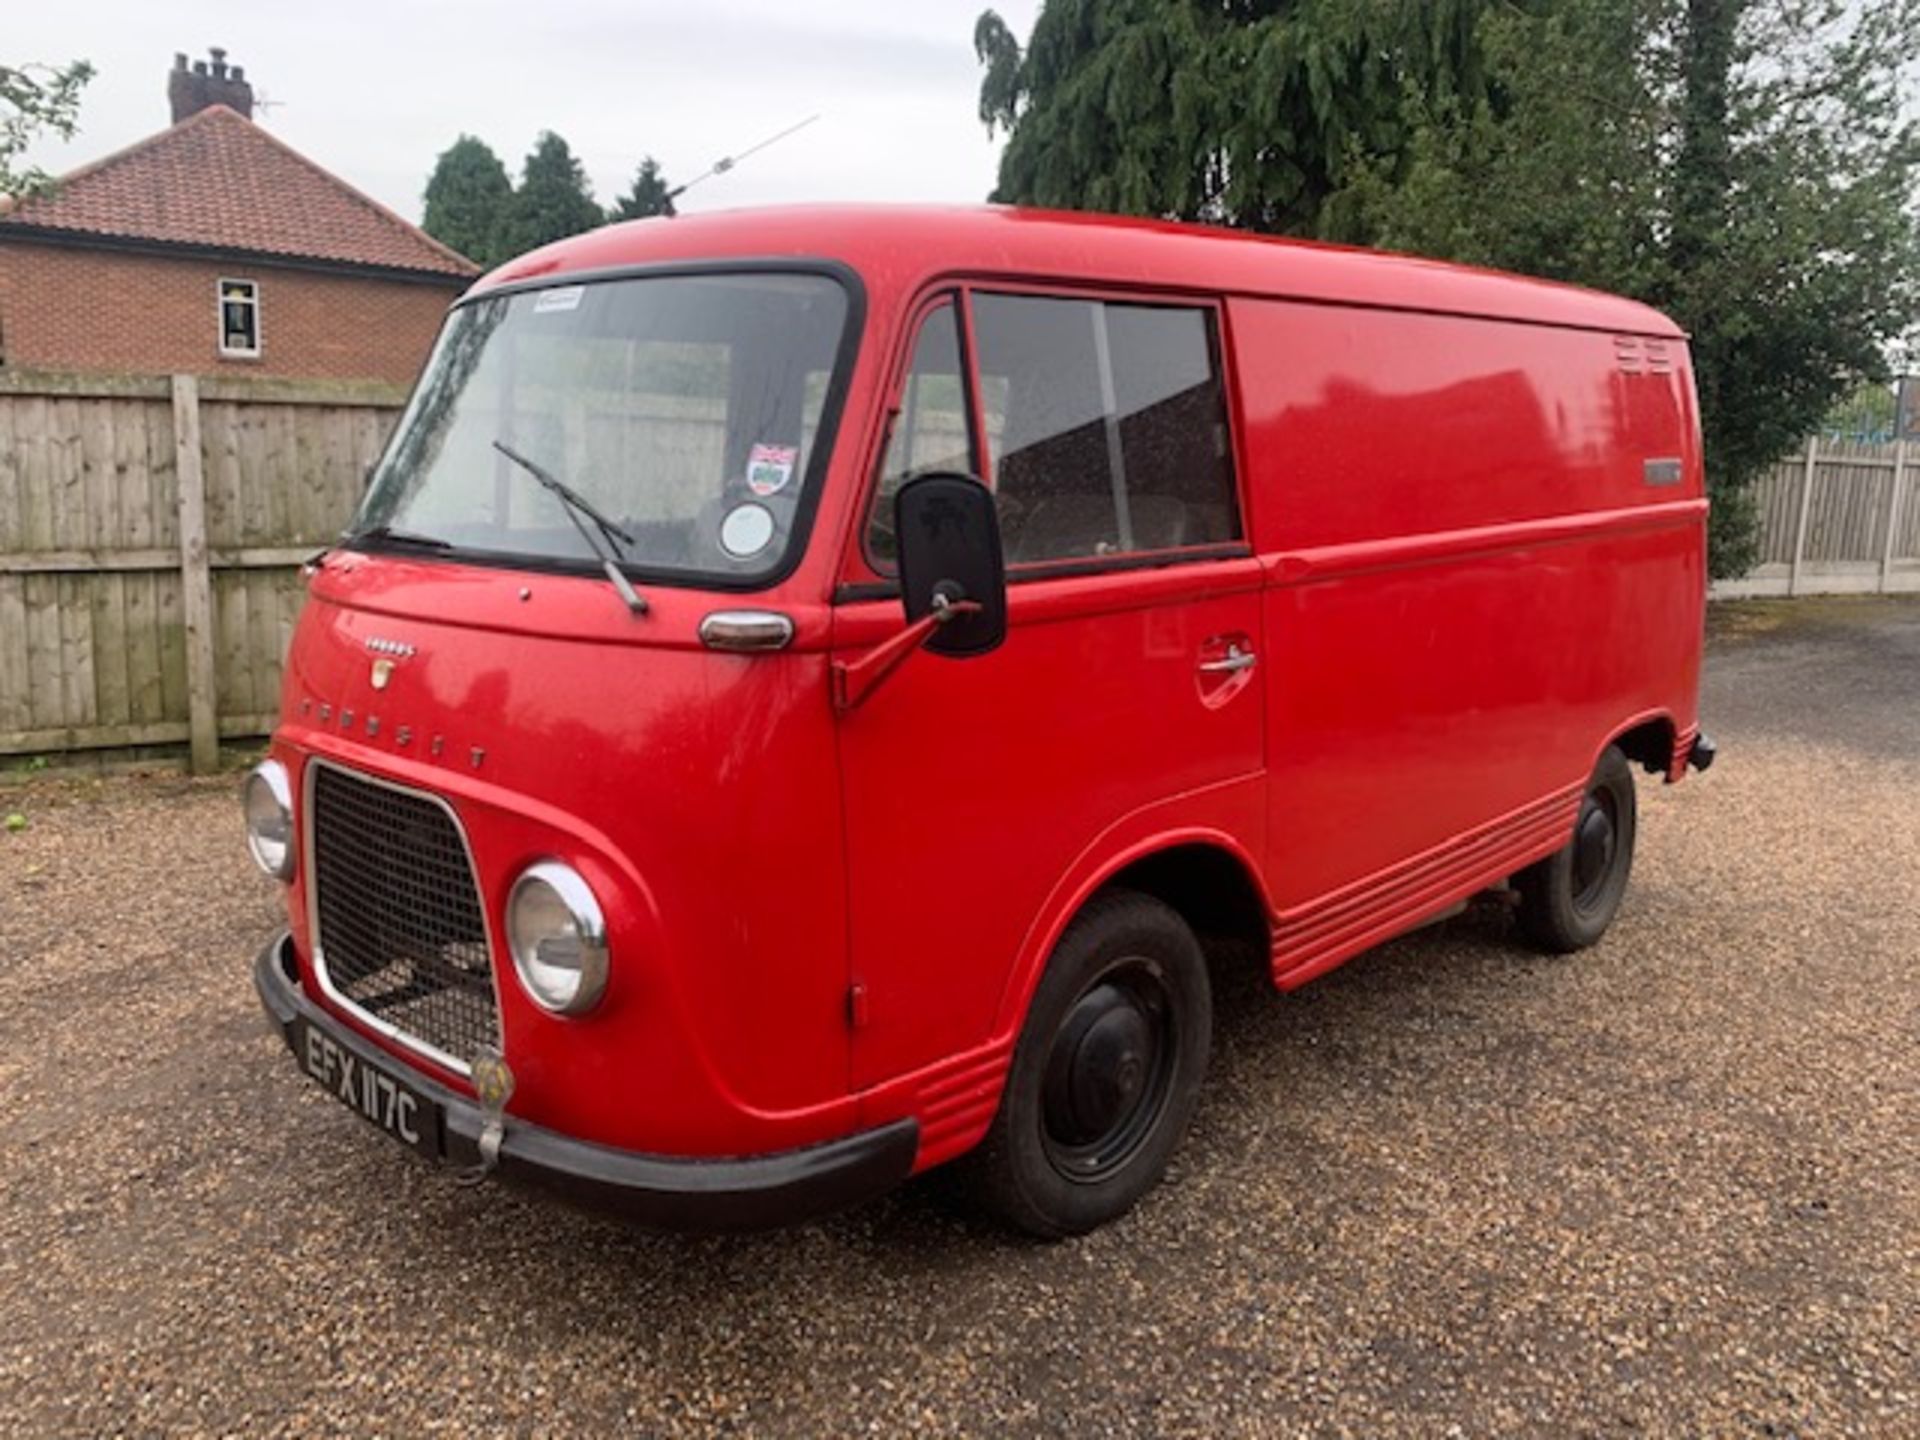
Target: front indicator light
x,y
267,801
558,938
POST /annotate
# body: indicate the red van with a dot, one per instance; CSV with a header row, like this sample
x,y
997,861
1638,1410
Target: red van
x,y
806,690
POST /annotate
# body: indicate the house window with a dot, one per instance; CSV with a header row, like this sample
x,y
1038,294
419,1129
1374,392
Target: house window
x,y
239,317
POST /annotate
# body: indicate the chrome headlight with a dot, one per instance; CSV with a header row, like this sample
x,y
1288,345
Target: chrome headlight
x,y
267,801
558,938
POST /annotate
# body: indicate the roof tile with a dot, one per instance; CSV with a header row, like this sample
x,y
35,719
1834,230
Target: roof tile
x,y
216,179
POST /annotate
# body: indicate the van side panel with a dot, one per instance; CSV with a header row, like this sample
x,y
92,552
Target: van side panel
x,y
1485,553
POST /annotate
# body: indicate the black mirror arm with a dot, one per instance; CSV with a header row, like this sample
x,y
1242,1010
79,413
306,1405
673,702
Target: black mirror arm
x,y
854,680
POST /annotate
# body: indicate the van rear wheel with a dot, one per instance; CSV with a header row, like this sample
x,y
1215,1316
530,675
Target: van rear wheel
x,y
1568,900
1106,1072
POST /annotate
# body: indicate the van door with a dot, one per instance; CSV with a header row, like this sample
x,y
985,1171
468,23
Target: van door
x,y
1123,700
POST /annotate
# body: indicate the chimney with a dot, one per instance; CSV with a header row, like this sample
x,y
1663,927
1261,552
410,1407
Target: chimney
x,y
191,90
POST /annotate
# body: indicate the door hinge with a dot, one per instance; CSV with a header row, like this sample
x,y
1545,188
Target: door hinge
x,y
857,1005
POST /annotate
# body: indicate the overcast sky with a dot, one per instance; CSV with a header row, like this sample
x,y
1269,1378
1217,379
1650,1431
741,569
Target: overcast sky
x,y
374,91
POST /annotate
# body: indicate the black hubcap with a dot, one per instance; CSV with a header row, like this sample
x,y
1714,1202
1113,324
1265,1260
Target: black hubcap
x,y
1596,839
1108,1072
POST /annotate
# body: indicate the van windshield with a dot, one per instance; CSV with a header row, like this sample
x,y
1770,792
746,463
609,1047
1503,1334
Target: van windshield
x,y
686,409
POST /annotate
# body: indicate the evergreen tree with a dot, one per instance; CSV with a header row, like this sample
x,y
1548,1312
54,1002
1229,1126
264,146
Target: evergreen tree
x,y
36,98
1745,165
552,201
467,197
650,195
1238,112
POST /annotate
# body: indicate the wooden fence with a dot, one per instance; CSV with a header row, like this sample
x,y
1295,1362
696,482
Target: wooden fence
x,y
1840,517
151,532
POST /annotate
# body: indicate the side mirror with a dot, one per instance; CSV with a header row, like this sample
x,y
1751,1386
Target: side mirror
x,y
949,537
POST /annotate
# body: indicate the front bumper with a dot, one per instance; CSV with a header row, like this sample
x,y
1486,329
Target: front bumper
x,y
754,1192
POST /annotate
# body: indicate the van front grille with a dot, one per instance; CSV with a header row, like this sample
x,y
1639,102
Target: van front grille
x,y
399,931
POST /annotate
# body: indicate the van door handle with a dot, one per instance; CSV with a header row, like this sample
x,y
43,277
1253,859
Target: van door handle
x,y
1232,662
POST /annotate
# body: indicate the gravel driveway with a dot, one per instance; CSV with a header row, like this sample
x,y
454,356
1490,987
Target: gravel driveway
x,y
1671,1186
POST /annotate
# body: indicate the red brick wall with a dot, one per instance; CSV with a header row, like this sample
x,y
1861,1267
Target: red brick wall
x,y
101,310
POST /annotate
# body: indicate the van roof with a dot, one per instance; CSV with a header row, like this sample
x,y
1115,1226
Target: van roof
x,y
907,245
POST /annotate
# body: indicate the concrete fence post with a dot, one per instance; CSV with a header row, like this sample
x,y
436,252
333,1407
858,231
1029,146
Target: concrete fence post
x,y
1893,515
196,578
1800,526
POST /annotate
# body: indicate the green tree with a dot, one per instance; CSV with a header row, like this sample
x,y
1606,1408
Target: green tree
x,y
551,202
36,99
1745,165
467,197
651,195
1239,112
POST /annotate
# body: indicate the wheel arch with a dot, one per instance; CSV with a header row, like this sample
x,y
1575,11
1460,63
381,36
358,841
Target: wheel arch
x,y
1647,740
1205,876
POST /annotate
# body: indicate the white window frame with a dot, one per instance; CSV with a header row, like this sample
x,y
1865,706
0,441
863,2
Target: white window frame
x,y
220,303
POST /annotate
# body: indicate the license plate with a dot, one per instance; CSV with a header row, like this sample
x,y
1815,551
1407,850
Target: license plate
x,y
372,1092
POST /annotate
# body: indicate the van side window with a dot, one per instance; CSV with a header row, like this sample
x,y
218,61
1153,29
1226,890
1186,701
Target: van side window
x,y
1173,427
1053,474
931,432
1106,424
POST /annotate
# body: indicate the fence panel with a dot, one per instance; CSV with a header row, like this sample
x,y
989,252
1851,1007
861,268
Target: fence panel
x,y
1839,516
1777,499
103,551
1906,529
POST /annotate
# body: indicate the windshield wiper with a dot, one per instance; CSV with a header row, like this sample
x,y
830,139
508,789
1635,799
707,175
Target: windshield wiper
x,y
401,539
612,537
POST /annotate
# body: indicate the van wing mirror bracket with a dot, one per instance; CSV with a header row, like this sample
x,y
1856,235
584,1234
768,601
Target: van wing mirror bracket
x,y
854,680
953,583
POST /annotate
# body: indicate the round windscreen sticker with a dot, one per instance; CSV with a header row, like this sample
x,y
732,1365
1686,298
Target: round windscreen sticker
x,y
746,531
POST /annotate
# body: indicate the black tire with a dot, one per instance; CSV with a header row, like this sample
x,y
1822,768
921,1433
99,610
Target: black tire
x,y
1105,1075
1568,900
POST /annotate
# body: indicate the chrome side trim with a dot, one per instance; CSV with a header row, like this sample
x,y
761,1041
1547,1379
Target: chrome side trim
x,y
314,764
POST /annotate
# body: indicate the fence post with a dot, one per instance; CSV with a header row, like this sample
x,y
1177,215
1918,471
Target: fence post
x,y
196,577
1893,515
1800,526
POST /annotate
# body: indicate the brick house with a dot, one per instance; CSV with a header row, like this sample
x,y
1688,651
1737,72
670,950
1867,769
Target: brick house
x,y
214,248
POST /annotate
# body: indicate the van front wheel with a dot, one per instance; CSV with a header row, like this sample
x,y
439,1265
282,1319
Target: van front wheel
x,y
1106,1072
1568,899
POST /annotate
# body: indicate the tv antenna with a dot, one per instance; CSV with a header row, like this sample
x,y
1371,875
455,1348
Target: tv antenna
x,y
727,162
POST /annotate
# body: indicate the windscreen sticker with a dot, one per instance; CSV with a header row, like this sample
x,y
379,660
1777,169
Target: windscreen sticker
x,y
747,530
564,297
770,467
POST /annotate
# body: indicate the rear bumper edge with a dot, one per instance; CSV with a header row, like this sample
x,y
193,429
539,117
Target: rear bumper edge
x,y
1700,754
